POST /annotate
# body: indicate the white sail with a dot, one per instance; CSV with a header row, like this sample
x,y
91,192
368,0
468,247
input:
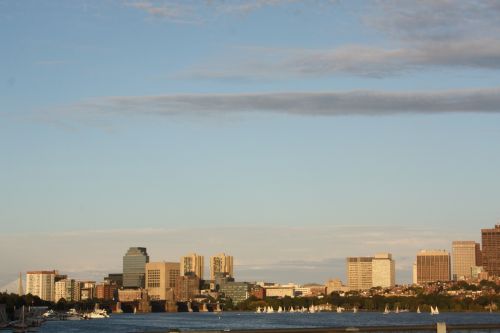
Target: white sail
x,y
355,310
386,311
339,309
280,309
397,309
418,309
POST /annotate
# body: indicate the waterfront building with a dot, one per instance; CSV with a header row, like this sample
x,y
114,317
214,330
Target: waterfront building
x,y
41,284
134,264
463,259
87,290
359,273
236,291
160,280
221,263
490,239
335,285
106,290
192,264
433,266
383,271
186,287
257,291
280,291
65,289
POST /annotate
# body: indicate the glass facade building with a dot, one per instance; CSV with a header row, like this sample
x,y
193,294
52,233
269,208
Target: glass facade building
x,y
134,267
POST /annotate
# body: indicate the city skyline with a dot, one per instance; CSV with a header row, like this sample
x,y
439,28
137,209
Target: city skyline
x,y
288,134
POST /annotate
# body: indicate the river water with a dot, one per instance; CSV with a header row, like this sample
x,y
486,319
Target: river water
x,y
245,320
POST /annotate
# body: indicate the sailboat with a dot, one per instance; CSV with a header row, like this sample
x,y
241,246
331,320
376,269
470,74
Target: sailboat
x,y
397,309
434,311
355,310
418,309
339,309
291,310
21,326
280,309
386,310
258,310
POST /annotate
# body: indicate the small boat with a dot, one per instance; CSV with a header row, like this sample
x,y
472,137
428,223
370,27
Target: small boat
x,y
434,311
312,309
340,309
386,310
354,310
258,310
418,309
280,309
397,309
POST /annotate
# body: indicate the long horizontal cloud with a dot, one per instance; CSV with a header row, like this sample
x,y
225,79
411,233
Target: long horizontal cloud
x,y
356,60
300,103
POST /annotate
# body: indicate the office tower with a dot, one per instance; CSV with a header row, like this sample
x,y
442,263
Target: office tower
x,y
433,266
41,284
359,273
186,287
463,259
414,273
115,278
160,280
490,239
383,271
192,263
479,255
220,263
134,264
66,289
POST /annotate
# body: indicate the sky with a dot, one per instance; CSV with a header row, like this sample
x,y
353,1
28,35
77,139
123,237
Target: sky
x,y
289,134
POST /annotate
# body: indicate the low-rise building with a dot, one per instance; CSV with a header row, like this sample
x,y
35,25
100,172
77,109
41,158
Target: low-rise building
x,y
236,291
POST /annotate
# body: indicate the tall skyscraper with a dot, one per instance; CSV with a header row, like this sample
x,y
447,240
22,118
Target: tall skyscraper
x,y
383,271
490,239
220,263
134,264
359,273
463,259
160,280
192,263
433,266
41,284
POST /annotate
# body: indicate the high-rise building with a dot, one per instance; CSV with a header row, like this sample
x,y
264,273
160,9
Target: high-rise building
x,y
134,264
220,263
192,264
433,266
463,259
41,284
66,289
160,280
236,291
490,239
359,273
383,271
414,273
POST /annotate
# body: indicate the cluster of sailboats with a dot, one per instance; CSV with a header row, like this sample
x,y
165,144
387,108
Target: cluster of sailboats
x,y
303,309
434,310
319,308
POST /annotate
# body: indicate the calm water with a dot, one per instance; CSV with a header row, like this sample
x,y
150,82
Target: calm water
x,y
245,320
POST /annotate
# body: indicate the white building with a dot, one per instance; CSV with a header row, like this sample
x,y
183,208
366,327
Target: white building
x,y
383,271
41,284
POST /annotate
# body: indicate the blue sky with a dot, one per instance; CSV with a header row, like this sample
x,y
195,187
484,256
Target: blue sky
x,y
139,119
